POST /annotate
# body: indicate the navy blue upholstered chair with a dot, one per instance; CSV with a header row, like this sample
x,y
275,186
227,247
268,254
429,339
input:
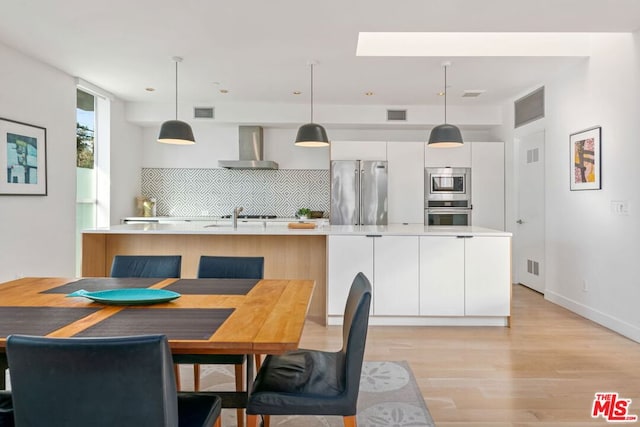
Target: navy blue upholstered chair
x,y
146,266
119,381
314,382
231,267
224,267
6,409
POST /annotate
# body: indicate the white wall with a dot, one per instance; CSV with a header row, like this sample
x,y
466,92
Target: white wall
x,y
126,158
37,233
585,241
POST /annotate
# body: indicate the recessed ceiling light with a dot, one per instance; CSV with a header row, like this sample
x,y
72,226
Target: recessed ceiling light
x,y
440,93
297,92
224,91
368,93
149,89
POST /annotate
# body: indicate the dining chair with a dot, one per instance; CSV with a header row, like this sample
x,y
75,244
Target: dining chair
x,y
6,409
315,382
116,381
146,266
224,267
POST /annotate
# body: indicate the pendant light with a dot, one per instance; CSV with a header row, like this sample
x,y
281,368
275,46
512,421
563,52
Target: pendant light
x,y
176,131
445,135
312,134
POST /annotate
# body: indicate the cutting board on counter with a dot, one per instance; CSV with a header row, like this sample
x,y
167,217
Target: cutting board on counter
x,y
302,225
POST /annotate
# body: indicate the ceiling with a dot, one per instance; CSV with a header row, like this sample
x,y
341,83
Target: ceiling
x,y
258,50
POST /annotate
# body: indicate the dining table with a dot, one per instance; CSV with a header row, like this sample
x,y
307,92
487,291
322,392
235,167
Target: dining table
x,y
208,316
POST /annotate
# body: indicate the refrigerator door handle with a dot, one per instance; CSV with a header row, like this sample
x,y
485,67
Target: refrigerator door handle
x,y
360,203
358,210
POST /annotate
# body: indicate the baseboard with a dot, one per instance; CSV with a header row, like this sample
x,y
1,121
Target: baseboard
x,y
603,319
429,321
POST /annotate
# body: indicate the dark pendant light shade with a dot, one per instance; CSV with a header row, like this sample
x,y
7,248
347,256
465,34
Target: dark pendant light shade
x,y
445,135
176,131
311,134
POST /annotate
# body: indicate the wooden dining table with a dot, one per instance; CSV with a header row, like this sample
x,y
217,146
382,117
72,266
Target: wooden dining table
x,y
211,316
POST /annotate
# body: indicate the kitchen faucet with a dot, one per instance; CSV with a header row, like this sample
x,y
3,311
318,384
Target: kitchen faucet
x,y
236,212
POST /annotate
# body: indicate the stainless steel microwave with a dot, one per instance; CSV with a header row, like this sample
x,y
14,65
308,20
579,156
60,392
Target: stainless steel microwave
x,y
447,184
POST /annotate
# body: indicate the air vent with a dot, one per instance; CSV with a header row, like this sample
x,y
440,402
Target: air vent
x,y
472,93
529,108
396,115
203,112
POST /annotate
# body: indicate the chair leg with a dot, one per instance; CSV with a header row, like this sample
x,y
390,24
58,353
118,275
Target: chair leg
x,y
266,420
196,377
258,358
350,421
252,420
176,372
218,422
239,386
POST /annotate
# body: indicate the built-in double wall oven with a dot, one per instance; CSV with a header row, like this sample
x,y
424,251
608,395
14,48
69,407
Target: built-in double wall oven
x,y
447,196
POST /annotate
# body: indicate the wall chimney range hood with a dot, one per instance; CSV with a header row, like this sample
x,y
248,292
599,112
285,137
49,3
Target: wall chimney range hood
x,y
250,151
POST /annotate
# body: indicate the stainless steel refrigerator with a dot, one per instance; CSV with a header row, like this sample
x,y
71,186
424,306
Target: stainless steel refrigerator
x,y
358,192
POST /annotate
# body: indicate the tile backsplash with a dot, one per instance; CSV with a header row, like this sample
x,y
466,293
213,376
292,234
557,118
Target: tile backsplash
x,y
216,192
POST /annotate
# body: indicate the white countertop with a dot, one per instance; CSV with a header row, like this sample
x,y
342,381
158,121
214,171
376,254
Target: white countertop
x,y
261,227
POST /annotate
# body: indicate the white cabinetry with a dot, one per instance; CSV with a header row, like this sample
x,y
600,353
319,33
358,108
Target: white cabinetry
x,y
395,272
468,276
347,256
389,262
358,150
487,269
487,184
406,182
455,157
441,276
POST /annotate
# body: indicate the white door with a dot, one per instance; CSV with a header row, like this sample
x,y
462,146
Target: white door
x,y
528,238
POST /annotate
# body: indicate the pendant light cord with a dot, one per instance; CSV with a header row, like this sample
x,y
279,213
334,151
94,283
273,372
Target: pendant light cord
x,y
445,94
311,93
177,91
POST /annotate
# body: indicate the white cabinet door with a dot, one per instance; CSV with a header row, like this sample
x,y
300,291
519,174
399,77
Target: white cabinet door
x,y
358,150
487,184
487,276
441,276
456,157
396,286
347,256
406,182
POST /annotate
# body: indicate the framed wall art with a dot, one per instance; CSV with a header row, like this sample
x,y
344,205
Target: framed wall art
x,y
23,159
585,159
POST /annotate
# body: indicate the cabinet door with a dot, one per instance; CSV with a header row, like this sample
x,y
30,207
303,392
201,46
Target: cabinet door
x,y
487,184
441,276
406,182
358,150
487,276
395,289
347,256
459,157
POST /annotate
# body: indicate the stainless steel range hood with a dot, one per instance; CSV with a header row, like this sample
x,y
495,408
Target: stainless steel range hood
x,y
251,151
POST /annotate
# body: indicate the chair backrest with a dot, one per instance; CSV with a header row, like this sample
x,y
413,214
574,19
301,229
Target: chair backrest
x,y
354,334
74,382
146,266
231,267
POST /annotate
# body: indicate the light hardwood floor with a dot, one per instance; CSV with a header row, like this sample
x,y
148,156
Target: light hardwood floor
x,y
542,372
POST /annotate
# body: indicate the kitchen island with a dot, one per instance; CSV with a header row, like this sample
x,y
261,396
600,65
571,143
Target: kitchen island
x,y
421,275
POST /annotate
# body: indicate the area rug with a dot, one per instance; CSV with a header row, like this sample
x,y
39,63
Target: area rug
x,y
389,396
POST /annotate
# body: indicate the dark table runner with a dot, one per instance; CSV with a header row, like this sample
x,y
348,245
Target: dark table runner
x,y
175,323
103,284
39,320
212,286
